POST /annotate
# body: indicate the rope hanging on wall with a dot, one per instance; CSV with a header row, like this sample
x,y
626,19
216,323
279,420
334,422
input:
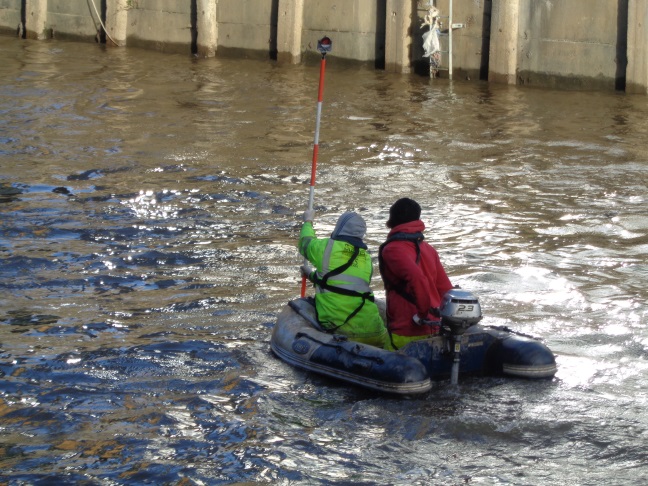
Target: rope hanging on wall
x,y
102,24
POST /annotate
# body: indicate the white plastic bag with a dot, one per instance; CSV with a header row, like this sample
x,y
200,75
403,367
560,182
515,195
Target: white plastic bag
x,y
431,43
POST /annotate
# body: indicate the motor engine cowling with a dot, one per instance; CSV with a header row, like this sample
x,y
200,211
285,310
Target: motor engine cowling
x,y
460,309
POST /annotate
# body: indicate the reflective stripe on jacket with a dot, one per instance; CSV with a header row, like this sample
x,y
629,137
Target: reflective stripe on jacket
x,y
344,282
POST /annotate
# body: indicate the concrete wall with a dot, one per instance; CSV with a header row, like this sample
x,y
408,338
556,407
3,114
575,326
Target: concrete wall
x,y
503,46
567,44
10,21
73,20
61,19
247,27
164,25
637,72
356,27
400,40
577,44
580,44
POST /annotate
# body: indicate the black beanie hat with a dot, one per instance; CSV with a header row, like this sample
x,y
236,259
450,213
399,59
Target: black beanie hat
x,y
403,211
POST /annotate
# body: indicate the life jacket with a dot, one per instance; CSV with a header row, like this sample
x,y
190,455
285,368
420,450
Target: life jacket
x,y
400,288
350,285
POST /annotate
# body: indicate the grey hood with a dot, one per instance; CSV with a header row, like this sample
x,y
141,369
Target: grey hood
x,y
350,227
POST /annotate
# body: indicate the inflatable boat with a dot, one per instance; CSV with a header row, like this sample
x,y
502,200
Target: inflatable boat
x,y
463,347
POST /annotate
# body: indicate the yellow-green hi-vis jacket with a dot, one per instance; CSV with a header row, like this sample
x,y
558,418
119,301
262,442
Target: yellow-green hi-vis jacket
x,y
343,300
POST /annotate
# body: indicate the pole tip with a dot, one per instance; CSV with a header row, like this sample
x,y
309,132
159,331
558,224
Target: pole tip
x,y
324,45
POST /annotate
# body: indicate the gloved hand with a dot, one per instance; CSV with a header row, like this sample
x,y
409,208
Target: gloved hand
x,y
305,270
434,326
309,215
423,322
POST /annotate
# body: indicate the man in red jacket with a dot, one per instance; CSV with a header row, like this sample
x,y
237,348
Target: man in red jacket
x,y
414,279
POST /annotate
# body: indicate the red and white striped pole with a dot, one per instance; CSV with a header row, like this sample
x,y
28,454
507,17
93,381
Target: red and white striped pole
x,y
324,45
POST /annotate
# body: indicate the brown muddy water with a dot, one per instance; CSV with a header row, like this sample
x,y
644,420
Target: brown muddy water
x,y
150,206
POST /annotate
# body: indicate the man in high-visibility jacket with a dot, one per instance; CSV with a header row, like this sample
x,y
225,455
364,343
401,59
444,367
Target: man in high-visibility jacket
x,y
343,300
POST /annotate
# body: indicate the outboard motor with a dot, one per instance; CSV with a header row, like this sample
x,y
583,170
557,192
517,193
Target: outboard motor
x,y
460,309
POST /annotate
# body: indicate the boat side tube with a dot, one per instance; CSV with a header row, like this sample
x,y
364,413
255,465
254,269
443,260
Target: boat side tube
x,y
296,341
486,351
436,353
522,356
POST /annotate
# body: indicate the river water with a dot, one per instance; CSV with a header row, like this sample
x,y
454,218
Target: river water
x,y
150,205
